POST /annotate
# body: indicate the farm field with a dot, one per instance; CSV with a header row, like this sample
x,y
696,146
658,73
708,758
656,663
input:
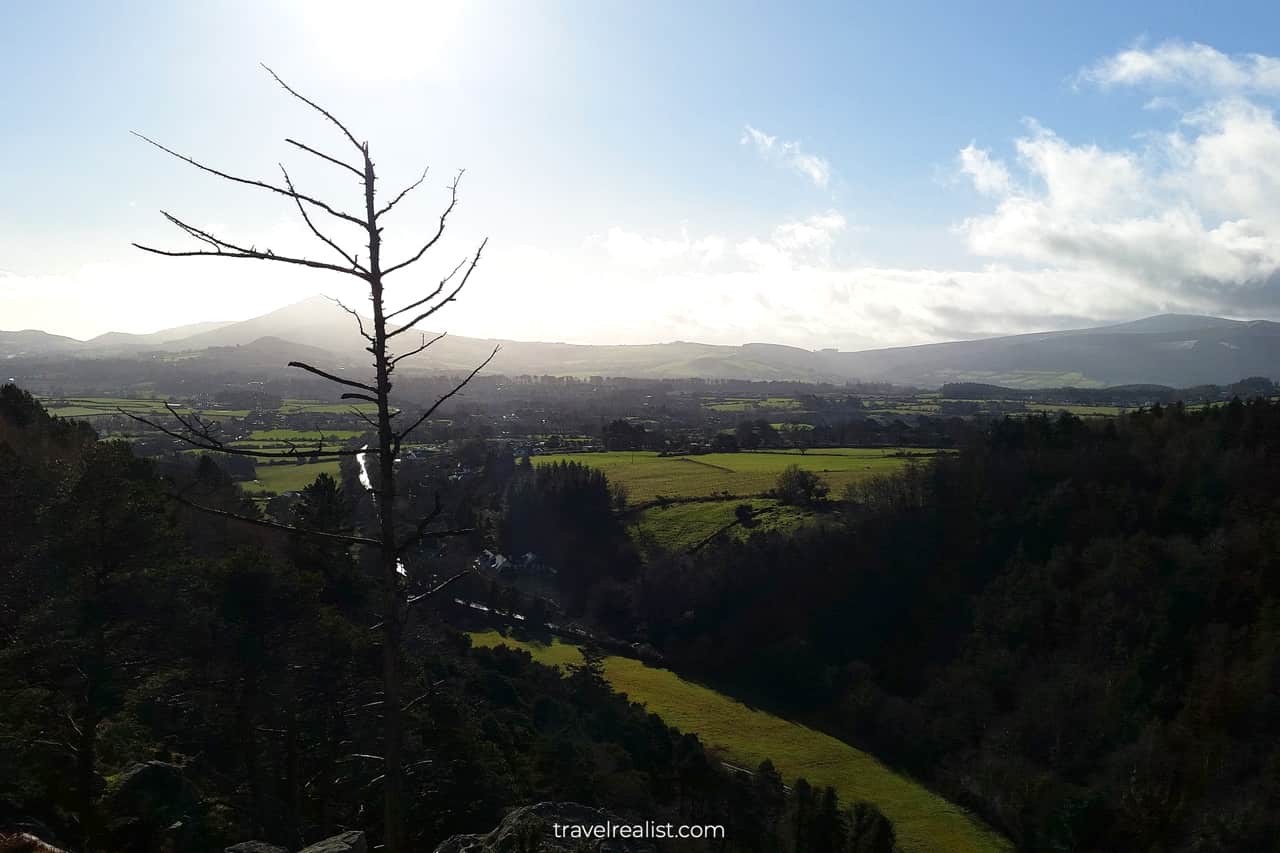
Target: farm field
x,y
681,526
90,407
648,475
288,477
304,434
746,404
745,736
1081,410
295,407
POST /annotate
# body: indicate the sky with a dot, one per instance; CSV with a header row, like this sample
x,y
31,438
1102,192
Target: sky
x,y
819,175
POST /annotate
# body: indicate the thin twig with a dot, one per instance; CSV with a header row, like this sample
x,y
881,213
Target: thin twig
x,y
450,298
334,160
306,217
404,192
453,201
262,522
425,344
432,295
314,106
401,436
207,442
250,182
350,383
226,249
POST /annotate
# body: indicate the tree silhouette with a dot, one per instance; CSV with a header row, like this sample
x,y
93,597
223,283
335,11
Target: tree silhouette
x,y
393,538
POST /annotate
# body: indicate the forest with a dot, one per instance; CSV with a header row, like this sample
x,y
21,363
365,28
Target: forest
x,y
172,681
1069,626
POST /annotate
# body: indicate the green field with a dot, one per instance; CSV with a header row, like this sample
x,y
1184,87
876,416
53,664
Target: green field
x,y
92,407
1081,410
744,736
648,475
289,477
681,526
746,404
295,407
89,407
304,435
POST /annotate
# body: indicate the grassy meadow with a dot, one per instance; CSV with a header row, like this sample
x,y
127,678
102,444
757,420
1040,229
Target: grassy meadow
x,y
745,736
681,526
92,407
749,404
288,476
648,475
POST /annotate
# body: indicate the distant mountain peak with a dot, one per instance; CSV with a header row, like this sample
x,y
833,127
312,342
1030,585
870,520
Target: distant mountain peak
x,y
1163,323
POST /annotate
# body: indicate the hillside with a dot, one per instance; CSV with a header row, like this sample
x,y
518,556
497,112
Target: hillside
x,y
1171,349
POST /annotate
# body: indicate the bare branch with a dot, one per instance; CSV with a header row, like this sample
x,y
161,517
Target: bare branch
x,y
443,585
402,435
205,441
349,258
359,319
432,295
350,396
250,182
425,343
451,297
315,107
225,249
351,383
334,160
438,588
404,192
262,522
420,530
453,201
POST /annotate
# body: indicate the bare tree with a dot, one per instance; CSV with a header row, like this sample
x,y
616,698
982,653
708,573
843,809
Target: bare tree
x,y
392,539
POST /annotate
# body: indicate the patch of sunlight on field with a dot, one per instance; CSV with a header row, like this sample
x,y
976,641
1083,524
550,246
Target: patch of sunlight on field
x,y
648,475
925,822
681,526
289,477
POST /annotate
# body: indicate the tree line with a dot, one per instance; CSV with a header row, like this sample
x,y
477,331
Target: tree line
x,y
172,680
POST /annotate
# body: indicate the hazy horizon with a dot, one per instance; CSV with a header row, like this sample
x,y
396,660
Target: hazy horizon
x,y
672,174
317,297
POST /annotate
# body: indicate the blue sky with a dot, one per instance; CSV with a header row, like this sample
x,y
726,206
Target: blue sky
x,y
827,175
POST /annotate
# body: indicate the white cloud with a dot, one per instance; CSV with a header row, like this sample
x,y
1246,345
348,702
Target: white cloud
x,y
1195,211
989,176
1192,65
815,232
788,154
646,251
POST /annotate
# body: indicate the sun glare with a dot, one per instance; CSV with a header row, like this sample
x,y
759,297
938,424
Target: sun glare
x,y
384,39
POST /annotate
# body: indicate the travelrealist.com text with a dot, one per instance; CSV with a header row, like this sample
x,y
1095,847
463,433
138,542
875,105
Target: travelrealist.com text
x,y
646,830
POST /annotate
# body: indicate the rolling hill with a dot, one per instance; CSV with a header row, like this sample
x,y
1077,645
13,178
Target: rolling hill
x,y
1171,349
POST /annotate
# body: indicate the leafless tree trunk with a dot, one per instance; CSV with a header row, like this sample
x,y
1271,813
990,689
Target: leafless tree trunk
x,y
392,539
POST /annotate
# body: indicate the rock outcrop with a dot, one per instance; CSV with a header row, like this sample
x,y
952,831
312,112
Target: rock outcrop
x,y
531,829
25,843
347,842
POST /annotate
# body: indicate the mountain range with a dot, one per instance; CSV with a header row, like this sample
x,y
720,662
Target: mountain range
x,y
1169,349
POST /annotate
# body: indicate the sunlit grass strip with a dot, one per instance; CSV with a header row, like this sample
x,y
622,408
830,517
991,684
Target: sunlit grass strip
x,y
648,475
925,822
